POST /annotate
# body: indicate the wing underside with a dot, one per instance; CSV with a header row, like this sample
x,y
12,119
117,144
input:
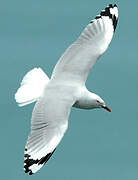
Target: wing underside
x,y
48,125
79,58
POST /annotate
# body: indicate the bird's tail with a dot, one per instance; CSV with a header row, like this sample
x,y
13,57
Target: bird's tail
x,y
32,87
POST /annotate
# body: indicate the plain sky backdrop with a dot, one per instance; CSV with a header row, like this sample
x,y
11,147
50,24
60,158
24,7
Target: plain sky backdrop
x,y
98,145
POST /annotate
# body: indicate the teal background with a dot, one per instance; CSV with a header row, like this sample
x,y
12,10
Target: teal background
x,y
98,145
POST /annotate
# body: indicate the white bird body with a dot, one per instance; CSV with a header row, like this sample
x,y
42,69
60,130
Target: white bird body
x,y
80,95
66,89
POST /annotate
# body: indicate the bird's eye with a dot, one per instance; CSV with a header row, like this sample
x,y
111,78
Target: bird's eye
x,y
97,101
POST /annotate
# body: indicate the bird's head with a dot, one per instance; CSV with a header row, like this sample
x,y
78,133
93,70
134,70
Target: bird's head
x,y
99,103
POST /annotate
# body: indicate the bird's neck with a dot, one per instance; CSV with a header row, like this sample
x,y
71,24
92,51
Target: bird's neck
x,y
86,100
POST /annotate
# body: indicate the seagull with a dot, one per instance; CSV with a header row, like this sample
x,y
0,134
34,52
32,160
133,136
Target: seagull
x,y
65,89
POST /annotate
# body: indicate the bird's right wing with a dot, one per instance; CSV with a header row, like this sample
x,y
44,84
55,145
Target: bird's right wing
x,y
48,125
75,64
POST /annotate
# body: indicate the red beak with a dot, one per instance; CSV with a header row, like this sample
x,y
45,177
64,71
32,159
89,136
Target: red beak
x,y
107,108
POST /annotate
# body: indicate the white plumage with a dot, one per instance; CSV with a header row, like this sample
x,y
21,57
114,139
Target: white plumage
x,y
32,87
65,89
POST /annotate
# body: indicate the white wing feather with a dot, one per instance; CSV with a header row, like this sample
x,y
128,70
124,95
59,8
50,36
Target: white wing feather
x,y
48,125
75,64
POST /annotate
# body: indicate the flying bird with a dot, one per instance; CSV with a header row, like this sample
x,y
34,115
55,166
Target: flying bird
x,y
65,89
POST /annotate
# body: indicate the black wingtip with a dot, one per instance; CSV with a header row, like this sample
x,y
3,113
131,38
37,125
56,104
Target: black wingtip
x,y
108,11
30,173
28,162
111,14
46,158
110,5
115,5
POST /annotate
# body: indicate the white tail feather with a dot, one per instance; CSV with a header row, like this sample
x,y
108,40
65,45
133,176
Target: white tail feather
x,y
32,87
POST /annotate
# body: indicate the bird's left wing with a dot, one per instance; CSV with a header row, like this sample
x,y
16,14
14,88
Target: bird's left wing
x,y
48,125
75,64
